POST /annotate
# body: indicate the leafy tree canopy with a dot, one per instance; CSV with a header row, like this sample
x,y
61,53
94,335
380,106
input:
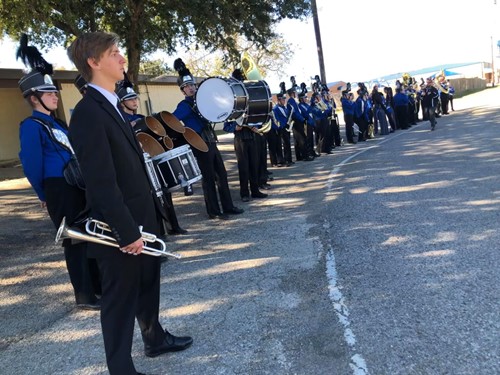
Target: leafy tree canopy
x,y
148,25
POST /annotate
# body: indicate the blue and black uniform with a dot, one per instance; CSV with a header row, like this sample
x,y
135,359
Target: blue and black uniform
x,y
281,114
348,109
298,123
211,163
43,160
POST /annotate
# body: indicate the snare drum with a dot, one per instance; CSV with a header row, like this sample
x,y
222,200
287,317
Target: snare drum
x,y
221,99
259,103
177,168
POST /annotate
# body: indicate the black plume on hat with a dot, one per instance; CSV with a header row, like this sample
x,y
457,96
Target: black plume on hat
x,y
185,76
239,75
32,58
282,93
38,80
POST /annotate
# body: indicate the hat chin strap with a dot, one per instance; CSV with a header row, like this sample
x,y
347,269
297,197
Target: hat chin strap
x,y
126,106
39,97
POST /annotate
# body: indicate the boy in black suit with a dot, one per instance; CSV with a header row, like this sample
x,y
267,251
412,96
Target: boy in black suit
x,y
118,193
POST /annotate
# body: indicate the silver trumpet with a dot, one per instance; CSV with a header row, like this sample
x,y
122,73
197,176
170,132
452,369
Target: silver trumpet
x,y
99,232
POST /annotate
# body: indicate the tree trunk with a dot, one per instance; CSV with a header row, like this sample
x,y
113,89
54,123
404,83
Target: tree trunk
x,y
133,38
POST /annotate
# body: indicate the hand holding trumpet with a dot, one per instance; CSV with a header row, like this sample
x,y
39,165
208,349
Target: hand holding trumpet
x,y
135,248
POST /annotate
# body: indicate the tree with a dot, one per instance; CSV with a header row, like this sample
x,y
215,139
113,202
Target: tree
x,y
222,63
155,68
146,26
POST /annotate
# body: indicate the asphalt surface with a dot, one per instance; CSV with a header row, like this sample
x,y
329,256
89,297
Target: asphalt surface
x,y
381,258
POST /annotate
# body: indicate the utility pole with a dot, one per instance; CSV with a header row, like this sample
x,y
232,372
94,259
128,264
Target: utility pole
x,y
492,64
318,42
493,57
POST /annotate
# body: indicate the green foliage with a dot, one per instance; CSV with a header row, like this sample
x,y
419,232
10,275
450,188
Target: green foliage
x,y
148,25
155,68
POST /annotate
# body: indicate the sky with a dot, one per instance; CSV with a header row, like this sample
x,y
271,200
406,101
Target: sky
x,y
367,39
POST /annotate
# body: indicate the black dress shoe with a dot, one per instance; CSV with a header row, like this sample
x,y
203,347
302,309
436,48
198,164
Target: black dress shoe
x,y
265,186
171,343
176,231
235,211
219,216
245,199
259,195
89,306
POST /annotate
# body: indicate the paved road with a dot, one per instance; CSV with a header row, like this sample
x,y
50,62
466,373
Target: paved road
x,y
381,259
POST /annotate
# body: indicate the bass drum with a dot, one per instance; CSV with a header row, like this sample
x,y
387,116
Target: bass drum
x,y
221,99
259,103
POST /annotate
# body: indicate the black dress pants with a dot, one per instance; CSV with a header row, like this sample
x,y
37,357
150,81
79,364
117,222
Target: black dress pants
x,y
214,179
275,147
299,136
131,289
246,155
287,147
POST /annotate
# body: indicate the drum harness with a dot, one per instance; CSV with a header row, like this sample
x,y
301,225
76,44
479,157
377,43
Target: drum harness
x,y
208,132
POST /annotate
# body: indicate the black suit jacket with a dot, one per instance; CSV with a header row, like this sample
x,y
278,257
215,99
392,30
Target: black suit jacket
x,y
112,164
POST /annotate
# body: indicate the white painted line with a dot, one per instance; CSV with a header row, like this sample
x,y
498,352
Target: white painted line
x,y
357,364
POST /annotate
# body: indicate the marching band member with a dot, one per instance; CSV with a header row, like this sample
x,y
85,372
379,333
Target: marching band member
x,y
274,142
247,155
309,124
389,105
430,97
283,119
129,100
360,115
379,108
44,157
119,193
401,108
348,110
451,93
328,141
321,113
298,123
211,163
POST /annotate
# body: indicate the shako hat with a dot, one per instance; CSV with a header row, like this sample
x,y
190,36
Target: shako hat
x,y
125,89
185,77
282,93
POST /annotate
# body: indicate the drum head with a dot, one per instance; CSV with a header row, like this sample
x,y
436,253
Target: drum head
x,y
215,99
195,140
149,144
155,126
172,122
167,141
